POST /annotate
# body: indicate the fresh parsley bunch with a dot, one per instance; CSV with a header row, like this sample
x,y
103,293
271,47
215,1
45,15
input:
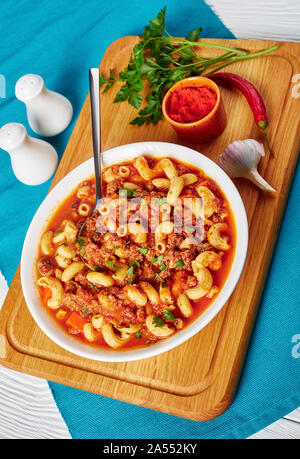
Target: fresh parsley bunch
x,y
161,60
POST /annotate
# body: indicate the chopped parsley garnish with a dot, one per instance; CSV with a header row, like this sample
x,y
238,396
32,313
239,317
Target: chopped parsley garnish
x,y
160,258
82,252
58,232
189,229
73,282
157,260
160,201
112,265
158,322
80,241
168,314
162,267
179,263
142,250
130,270
138,334
130,274
135,262
83,228
85,310
158,278
129,193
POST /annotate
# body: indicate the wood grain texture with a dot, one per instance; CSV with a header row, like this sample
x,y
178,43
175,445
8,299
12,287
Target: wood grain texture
x,y
196,380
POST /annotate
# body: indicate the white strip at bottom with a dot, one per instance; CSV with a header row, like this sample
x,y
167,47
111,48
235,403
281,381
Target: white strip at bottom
x,y
27,407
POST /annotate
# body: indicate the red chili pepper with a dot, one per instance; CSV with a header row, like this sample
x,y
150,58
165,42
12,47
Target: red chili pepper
x,y
252,95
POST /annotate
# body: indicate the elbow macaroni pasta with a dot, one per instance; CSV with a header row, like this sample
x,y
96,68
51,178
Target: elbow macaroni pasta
x,y
132,277
205,282
168,168
184,305
161,332
83,191
161,183
109,175
150,291
84,209
124,171
215,238
46,243
176,187
163,229
165,294
100,279
134,295
209,200
71,271
89,333
143,168
111,338
56,291
188,179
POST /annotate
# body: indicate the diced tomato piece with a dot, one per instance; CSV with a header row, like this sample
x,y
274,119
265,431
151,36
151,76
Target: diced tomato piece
x,y
46,295
178,283
76,321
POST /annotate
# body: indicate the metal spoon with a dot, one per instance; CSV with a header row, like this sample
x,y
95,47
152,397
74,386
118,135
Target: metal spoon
x,y
95,116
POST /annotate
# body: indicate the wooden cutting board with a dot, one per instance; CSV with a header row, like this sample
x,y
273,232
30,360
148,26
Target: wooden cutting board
x,y
197,380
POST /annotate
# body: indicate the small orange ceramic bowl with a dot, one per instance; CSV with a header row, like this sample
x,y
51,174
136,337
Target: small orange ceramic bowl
x,y
204,129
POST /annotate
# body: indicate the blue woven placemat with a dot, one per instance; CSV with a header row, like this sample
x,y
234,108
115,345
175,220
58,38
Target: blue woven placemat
x,y
60,40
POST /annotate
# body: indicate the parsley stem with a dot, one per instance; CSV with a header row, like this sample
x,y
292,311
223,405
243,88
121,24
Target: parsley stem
x,y
210,61
188,44
210,45
178,50
167,33
239,58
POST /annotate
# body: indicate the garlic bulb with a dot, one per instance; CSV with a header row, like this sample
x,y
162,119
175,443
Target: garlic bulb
x,y
240,159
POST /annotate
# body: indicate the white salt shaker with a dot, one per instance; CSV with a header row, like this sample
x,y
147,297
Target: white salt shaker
x,y
33,160
48,112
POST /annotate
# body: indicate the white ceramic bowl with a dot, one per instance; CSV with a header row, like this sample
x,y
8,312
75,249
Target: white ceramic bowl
x,y
65,187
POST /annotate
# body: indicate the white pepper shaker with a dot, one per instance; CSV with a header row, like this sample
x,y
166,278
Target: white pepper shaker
x,y
48,112
33,160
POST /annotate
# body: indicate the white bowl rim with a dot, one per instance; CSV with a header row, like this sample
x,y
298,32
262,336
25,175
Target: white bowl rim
x,y
65,186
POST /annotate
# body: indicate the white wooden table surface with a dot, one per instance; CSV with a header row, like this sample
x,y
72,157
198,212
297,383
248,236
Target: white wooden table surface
x,y
264,20
27,407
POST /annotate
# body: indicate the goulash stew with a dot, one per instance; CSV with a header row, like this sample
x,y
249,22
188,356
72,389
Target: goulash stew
x,y
150,260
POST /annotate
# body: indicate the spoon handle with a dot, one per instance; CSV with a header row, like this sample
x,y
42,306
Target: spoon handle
x,y
95,111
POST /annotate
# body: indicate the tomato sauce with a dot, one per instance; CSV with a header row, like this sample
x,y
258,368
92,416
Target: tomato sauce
x,y
68,210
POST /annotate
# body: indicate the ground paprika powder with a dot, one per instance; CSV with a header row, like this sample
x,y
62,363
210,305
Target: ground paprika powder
x,y
191,103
